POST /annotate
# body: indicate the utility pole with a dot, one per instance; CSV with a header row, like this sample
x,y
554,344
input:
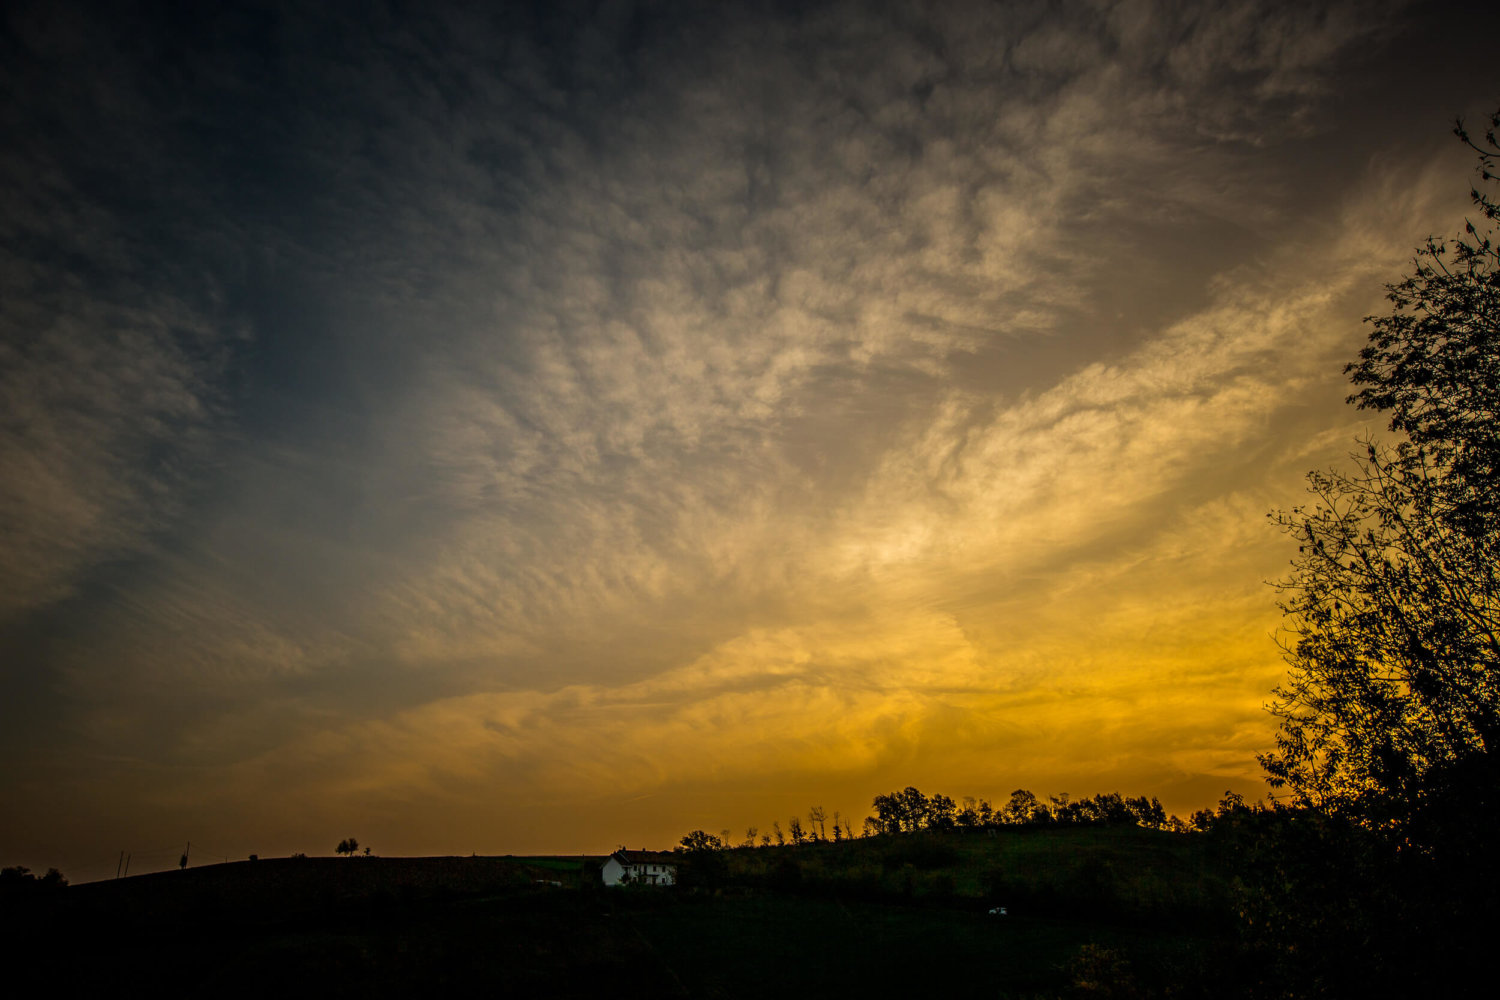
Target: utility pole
x,y
119,864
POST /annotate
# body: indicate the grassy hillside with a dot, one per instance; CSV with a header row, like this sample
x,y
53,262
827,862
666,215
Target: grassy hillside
x,y
880,917
248,892
1100,872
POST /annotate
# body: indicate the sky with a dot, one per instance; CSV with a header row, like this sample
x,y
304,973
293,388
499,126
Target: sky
x,y
516,429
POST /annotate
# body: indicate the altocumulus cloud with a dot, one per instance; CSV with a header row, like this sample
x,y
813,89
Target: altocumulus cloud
x,y
598,405
108,375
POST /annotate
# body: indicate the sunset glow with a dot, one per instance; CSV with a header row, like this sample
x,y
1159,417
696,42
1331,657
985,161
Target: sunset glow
x,y
548,432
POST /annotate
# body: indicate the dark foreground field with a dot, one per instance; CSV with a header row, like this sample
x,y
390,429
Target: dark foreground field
x,y
780,923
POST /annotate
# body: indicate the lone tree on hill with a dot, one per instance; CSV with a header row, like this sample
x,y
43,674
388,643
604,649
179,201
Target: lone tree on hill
x,y
348,847
1392,705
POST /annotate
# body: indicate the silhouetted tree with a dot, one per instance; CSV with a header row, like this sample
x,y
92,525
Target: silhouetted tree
x,y
887,814
1021,807
815,819
885,818
794,827
1111,808
347,846
1393,602
1380,880
18,880
940,813
901,812
1148,812
913,806
976,814
15,875
705,866
698,840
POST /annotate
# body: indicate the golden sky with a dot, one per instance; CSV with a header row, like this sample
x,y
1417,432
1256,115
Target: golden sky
x,y
557,430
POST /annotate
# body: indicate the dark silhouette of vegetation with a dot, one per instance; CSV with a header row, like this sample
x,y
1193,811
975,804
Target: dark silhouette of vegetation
x,y
20,881
816,818
1378,879
704,864
909,811
1393,603
1100,972
698,840
1021,807
921,853
347,846
1319,904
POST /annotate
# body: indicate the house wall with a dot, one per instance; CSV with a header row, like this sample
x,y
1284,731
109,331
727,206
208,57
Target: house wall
x,y
658,874
652,874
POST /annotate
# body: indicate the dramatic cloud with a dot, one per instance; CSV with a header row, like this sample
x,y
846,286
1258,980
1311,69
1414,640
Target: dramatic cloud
x,y
656,419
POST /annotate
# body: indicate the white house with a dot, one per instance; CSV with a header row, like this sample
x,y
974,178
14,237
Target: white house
x,y
641,868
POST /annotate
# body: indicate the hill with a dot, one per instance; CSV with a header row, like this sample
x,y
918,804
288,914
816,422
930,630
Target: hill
x,y
880,916
1104,872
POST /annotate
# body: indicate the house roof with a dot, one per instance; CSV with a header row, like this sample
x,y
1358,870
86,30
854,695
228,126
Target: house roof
x,y
646,858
